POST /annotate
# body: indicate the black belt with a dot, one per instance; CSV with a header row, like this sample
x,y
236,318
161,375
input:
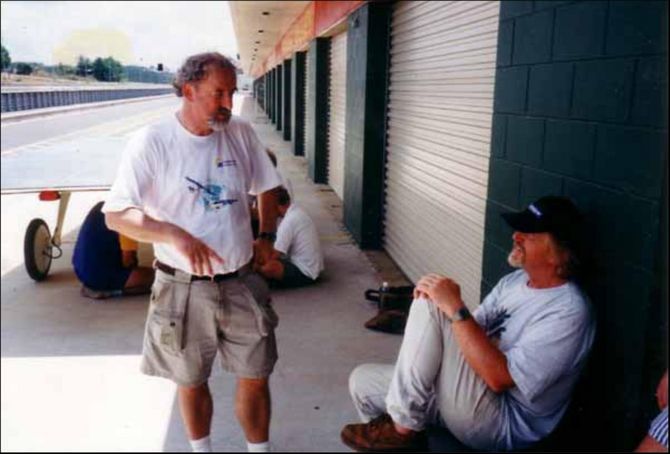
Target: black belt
x,y
216,278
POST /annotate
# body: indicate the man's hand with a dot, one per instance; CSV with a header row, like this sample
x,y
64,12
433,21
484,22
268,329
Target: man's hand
x,y
662,391
199,255
442,291
134,223
263,252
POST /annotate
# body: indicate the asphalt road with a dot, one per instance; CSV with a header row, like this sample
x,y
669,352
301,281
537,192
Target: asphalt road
x,y
25,132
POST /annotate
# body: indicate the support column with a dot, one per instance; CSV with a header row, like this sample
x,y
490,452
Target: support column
x,y
316,108
367,87
273,113
278,96
298,103
266,99
286,99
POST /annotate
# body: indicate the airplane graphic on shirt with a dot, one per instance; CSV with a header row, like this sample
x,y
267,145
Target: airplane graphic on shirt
x,y
209,194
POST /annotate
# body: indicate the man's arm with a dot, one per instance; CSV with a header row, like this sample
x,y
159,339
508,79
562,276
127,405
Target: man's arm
x,y
135,224
662,391
481,354
267,214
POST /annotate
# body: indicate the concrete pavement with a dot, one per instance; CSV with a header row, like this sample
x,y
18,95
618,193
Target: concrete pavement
x,y
70,379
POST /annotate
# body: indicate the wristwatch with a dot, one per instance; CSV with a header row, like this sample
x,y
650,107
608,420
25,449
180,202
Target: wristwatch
x,y
461,314
271,236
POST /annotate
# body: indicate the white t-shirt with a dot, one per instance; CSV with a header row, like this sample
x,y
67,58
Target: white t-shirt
x,y
199,183
298,239
546,335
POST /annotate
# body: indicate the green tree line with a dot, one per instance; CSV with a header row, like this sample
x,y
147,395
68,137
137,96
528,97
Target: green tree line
x,y
6,60
103,69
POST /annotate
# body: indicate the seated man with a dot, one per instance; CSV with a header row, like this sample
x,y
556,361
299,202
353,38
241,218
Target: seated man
x,y
253,202
656,439
501,378
297,258
106,262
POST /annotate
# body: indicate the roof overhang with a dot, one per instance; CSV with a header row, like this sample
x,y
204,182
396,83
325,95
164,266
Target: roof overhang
x,y
287,27
272,17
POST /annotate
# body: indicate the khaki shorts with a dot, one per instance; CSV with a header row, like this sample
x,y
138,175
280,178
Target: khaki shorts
x,y
189,322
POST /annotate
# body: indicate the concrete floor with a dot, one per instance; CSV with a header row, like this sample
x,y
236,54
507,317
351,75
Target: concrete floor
x,y
70,379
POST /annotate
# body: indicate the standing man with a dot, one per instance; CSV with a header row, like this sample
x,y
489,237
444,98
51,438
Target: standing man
x,y
183,185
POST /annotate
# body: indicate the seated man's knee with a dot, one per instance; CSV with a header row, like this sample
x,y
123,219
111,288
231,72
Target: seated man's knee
x,y
359,379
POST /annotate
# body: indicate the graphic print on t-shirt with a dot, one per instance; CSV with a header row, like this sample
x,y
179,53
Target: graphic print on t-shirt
x,y
495,327
225,162
209,194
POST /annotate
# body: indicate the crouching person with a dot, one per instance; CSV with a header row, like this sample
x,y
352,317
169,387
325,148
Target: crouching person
x,y
497,379
106,262
297,258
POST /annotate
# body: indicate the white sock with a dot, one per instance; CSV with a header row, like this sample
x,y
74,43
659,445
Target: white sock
x,y
258,447
203,444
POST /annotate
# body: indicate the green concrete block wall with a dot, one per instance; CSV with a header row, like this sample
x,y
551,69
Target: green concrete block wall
x,y
580,109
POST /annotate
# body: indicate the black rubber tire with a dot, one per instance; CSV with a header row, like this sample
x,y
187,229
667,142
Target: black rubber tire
x,y
37,268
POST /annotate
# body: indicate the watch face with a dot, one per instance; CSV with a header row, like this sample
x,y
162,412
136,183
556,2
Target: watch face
x,y
462,314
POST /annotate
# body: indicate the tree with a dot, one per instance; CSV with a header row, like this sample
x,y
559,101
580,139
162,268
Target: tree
x,y
23,68
6,60
84,66
65,70
107,69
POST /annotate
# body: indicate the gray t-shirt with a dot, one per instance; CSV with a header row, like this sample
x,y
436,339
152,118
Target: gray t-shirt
x,y
546,335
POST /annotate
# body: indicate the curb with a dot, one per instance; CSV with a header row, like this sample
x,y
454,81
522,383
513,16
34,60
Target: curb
x,y
10,117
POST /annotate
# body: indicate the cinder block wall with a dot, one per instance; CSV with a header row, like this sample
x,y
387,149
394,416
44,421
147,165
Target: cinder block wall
x,y
581,110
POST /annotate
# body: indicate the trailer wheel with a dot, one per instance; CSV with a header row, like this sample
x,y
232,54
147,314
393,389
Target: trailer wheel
x,y
37,249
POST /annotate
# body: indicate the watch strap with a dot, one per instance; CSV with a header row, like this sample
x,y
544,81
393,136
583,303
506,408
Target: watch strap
x,y
272,236
462,314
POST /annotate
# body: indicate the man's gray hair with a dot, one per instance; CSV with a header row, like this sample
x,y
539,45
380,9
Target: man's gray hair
x,y
195,67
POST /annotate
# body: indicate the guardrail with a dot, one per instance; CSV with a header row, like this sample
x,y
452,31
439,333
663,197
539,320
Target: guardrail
x,y
15,101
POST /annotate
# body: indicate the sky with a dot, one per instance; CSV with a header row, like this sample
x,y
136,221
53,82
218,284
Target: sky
x,y
134,32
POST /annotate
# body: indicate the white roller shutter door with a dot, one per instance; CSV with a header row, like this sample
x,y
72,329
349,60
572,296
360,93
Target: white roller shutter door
x,y
442,72
337,115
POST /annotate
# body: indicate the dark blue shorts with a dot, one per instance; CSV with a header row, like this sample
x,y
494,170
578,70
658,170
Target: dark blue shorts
x,y
293,277
112,279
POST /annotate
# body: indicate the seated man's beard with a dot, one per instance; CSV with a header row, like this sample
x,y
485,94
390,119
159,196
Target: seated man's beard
x,y
515,259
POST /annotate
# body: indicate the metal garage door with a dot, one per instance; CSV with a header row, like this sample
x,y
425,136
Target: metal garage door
x,y
337,114
443,57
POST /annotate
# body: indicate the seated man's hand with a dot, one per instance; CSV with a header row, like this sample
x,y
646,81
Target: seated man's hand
x,y
442,291
263,252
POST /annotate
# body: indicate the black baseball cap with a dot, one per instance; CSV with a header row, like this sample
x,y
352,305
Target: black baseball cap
x,y
551,214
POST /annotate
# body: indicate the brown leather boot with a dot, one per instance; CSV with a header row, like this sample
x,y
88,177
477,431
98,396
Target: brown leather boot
x,y
379,435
